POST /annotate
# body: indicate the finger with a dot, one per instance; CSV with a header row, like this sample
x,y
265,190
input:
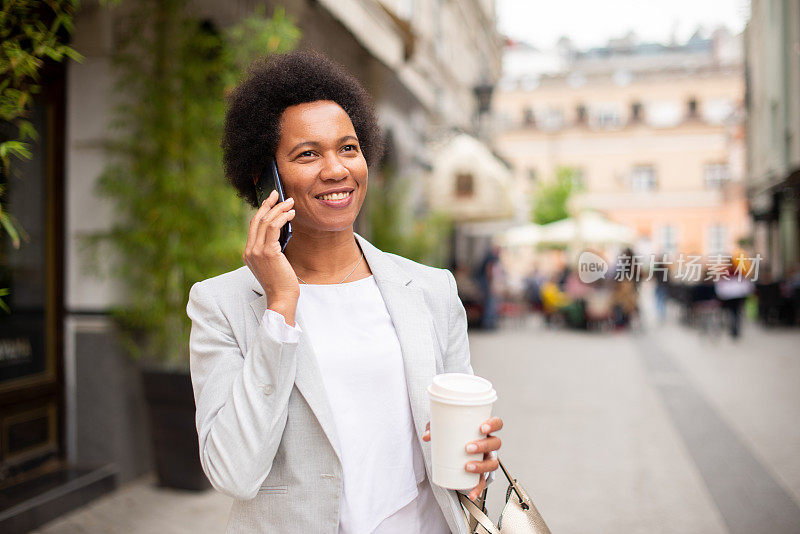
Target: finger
x,y
492,424
262,210
273,227
476,491
263,237
277,210
492,443
482,466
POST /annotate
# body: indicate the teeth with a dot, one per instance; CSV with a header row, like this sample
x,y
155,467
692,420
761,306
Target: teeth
x,y
335,196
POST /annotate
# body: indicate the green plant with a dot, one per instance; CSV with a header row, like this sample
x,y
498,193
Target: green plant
x,y
395,230
31,32
178,221
550,198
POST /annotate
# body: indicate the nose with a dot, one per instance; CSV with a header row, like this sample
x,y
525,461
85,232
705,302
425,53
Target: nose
x,y
333,169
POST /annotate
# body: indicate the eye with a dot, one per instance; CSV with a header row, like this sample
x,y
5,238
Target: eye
x,y
306,153
353,147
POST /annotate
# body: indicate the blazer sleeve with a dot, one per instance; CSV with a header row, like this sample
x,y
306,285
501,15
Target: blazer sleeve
x,y
457,356
241,400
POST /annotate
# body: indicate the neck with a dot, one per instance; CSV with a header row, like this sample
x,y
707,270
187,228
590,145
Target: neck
x,y
323,257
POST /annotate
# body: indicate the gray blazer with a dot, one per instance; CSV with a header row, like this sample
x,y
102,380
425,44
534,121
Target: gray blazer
x,y
266,434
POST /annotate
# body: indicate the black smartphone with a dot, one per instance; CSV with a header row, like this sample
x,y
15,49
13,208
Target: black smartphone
x,y
267,182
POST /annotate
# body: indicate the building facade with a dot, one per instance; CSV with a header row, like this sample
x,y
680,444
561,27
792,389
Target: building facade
x,y
653,133
772,45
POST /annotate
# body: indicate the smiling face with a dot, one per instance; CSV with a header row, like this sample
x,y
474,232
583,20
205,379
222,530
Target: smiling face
x,y
319,152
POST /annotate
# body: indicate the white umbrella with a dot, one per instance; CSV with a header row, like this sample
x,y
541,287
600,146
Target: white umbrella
x,y
588,228
528,234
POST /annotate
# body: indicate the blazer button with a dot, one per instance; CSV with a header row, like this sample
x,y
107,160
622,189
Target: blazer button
x,y
268,389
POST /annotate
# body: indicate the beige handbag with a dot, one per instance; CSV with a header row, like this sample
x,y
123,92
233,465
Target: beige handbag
x,y
519,515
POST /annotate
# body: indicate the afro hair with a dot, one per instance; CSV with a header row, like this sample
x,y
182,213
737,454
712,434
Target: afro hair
x,y
271,84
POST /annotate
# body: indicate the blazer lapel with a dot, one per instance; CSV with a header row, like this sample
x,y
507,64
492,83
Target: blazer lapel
x,y
413,325
308,378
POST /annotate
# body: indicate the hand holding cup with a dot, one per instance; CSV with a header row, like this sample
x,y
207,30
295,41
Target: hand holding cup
x,y
486,446
461,408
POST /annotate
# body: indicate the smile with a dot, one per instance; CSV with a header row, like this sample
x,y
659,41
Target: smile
x,y
337,200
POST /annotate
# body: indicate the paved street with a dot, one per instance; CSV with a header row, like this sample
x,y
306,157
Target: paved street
x,y
659,431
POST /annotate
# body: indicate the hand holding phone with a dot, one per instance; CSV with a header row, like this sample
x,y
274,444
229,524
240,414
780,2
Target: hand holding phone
x,y
264,256
269,181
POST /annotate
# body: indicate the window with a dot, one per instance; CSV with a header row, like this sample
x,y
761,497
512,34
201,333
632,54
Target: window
x,y
715,175
716,239
691,108
663,113
718,110
528,118
464,185
580,114
636,112
607,116
643,178
668,239
552,119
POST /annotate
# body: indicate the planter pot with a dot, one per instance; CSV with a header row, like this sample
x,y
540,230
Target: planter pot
x,y
171,410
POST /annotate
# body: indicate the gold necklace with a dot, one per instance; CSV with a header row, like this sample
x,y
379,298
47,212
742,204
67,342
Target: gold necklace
x,y
345,278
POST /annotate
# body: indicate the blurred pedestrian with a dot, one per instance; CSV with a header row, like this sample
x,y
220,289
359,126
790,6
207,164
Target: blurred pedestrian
x,y
624,302
662,295
489,276
732,290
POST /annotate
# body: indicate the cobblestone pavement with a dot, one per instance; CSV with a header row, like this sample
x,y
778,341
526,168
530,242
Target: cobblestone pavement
x,y
659,431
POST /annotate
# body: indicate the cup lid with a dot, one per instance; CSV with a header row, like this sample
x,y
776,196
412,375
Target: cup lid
x,y
462,387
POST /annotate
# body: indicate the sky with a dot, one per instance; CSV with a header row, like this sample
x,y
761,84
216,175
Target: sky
x,y
592,22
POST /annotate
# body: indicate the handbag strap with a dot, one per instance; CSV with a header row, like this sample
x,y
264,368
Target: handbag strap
x,y
478,514
513,482
475,512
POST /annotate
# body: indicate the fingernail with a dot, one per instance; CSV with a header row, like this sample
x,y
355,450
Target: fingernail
x,y
290,199
273,192
470,467
291,211
485,428
472,447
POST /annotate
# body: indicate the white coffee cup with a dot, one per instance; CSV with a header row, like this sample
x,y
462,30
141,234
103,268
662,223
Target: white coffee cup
x,y
459,404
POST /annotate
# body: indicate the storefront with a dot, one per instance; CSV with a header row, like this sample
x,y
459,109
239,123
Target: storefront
x,y
37,482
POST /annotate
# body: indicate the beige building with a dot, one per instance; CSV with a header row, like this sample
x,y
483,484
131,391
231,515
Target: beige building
x,y
654,132
772,40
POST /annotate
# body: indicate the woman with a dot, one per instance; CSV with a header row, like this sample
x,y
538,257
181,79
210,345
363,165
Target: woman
x,y
310,366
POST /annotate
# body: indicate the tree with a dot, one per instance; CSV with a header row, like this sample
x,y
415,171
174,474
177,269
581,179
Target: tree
x,y
177,220
550,199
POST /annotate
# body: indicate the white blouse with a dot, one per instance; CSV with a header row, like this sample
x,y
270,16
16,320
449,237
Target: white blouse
x,y
385,486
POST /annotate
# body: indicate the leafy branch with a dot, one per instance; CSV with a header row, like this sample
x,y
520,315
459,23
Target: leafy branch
x,y
31,32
